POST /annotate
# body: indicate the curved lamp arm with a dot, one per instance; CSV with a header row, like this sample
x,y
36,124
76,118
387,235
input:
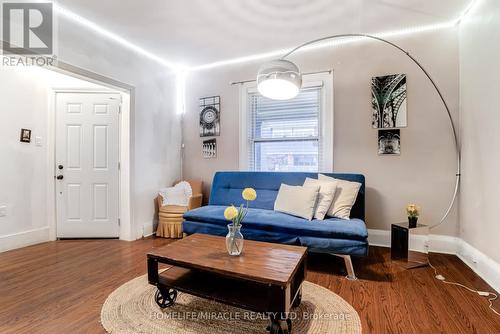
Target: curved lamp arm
x,y
448,112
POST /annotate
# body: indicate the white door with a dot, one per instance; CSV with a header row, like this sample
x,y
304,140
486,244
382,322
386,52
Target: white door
x,y
87,165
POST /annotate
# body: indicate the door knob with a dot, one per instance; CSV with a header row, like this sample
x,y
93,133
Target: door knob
x,y
60,166
60,177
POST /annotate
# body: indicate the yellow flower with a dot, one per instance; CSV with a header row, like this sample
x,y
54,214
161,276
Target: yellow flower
x,y
412,209
230,213
249,194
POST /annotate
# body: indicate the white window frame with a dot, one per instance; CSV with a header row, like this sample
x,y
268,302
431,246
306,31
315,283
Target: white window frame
x,y
326,119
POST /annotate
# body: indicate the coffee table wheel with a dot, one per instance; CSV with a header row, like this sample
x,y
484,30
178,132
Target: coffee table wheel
x,y
298,299
280,326
165,297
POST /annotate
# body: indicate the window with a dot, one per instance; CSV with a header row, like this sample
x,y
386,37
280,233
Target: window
x,y
290,135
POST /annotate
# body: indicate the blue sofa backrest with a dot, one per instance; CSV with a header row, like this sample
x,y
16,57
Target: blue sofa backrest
x,y
227,188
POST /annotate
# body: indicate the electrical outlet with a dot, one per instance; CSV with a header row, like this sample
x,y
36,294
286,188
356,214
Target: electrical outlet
x,y
3,210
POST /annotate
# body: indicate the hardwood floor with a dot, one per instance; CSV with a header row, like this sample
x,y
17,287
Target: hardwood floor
x,y
59,287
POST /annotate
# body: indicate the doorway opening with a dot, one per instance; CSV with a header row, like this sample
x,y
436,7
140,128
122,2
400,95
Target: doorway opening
x,y
89,154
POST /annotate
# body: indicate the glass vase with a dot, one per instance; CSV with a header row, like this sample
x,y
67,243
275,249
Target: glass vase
x,y
234,240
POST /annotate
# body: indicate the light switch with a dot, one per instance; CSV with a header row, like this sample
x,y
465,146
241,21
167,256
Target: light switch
x,y
38,141
3,210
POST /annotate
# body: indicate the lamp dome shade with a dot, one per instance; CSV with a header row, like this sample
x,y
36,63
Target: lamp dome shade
x,y
279,80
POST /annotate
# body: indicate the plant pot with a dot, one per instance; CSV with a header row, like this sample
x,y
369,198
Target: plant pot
x,y
234,240
412,222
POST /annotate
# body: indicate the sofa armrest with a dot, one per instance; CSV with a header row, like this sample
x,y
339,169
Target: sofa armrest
x,y
195,201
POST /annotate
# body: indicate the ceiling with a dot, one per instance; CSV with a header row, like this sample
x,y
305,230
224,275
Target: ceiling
x,y
196,32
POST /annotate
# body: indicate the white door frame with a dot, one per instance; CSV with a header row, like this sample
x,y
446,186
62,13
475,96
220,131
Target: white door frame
x,y
125,155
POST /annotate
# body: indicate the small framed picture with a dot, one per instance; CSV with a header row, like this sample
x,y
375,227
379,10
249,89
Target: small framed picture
x,y
389,102
389,142
25,136
209,149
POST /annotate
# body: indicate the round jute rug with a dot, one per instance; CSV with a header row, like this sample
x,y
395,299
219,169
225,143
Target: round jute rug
x,y
131,309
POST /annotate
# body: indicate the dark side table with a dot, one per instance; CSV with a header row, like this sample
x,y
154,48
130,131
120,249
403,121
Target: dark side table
x,y
409,245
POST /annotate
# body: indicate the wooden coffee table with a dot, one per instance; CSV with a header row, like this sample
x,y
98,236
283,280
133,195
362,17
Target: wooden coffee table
x,y
265,278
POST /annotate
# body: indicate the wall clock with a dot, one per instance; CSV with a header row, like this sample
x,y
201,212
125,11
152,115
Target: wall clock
x,y
210,116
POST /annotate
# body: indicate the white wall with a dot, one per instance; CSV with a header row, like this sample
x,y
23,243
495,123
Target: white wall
x,y
480,128
155,130
425,171
24,94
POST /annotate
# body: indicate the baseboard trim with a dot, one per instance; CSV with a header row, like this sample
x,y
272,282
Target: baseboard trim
x,y
147,230
379,238
484,266
23,239
437,243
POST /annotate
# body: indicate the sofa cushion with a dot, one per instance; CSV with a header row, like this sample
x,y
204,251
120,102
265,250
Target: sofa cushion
x,y
345,196
297,200
325,196
268,220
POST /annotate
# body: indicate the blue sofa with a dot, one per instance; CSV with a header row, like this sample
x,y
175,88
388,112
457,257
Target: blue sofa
x,y
334,236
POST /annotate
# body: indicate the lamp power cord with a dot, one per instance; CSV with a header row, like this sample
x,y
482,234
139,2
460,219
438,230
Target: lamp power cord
x,y
490,295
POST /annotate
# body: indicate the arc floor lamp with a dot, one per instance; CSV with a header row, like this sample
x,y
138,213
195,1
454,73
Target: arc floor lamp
x,y
281,79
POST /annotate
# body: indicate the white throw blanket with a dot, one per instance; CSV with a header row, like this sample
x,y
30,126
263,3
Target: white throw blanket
x,y
177,195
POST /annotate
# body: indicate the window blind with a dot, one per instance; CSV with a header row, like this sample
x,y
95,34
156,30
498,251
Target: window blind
x,y
284,135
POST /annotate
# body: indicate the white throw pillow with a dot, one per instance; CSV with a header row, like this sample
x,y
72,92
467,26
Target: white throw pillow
x,y
177,195
325,196
344,199
297,200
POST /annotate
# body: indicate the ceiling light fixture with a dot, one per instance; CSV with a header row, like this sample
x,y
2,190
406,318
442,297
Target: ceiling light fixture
x,y
279,80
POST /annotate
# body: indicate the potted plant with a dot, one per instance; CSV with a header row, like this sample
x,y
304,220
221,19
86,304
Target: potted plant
x,y
413,212
234,238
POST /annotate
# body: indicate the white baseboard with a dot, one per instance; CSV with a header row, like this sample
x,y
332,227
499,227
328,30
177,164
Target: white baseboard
x,y
23,239
379,238
480,263
436,243
487,268
147,230
443,244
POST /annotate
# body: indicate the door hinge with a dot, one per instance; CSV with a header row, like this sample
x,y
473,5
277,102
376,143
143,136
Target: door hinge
x,y
120,109
119,166
119,222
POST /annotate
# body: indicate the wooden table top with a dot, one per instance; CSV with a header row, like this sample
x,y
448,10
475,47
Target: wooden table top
x,y
260,261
